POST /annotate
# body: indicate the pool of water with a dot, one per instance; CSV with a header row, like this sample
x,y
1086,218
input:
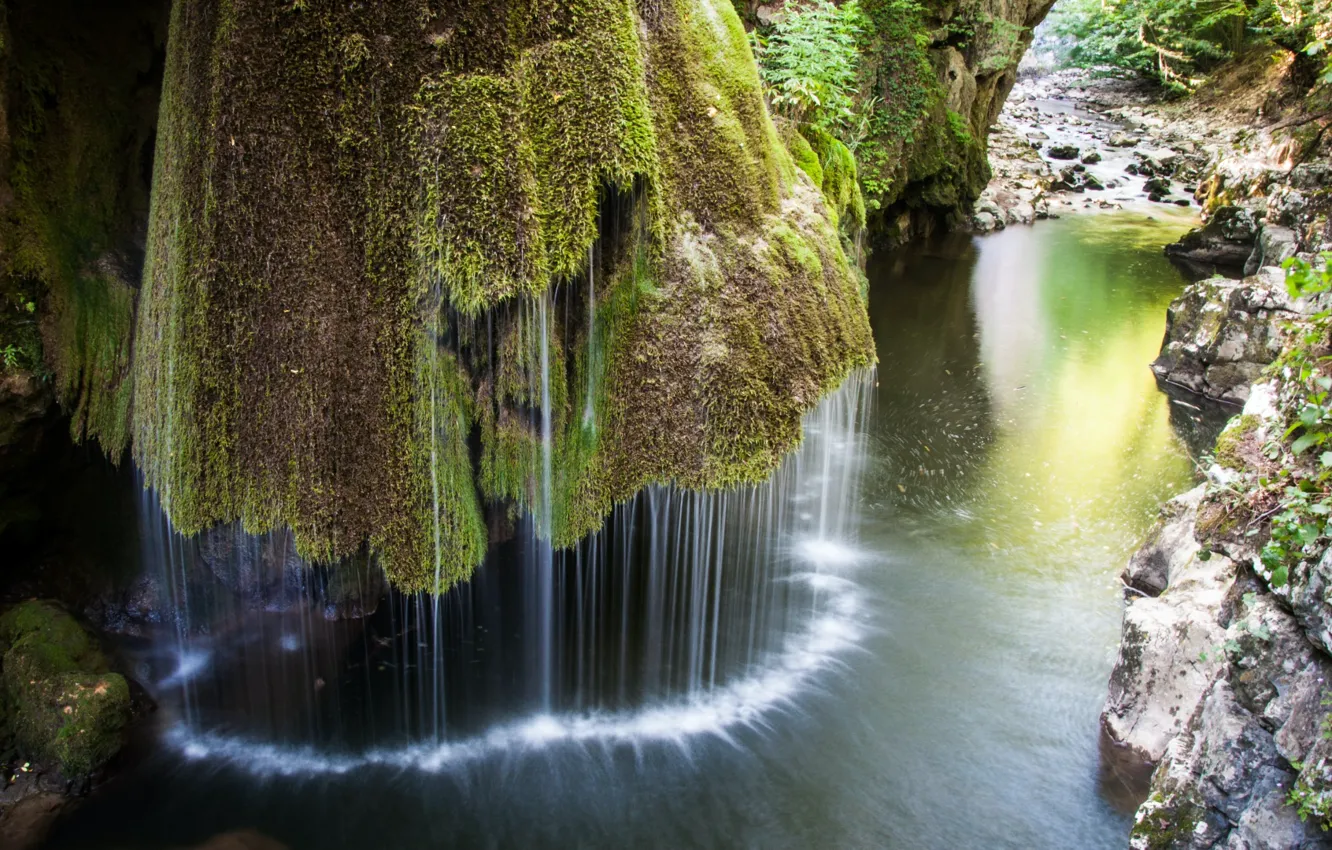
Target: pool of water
x,y
934,679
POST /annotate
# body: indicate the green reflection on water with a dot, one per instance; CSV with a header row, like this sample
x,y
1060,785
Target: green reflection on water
x,y
1086,445
1020,449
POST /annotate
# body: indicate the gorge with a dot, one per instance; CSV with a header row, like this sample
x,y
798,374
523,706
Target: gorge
x,y
563,424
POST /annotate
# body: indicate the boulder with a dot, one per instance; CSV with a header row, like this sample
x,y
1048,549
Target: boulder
x,y
1226,240
1221,334
1063,151
1122,140
1169,648
66,705
1091,157
1157,185
1275,245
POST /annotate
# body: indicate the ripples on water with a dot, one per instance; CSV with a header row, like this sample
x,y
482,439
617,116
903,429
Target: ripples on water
x,y
915,663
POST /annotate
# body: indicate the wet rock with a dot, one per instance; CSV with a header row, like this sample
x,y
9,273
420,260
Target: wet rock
x,y
66,706
1091,157
1275,245
1090,181
1122,140
264,571
1063,152
1226,240
1157,185
1169,646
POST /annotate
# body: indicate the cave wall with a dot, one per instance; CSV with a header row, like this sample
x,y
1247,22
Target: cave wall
x,y
79,86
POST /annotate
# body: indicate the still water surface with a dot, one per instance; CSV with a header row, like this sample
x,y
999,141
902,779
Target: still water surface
x,y
1014,452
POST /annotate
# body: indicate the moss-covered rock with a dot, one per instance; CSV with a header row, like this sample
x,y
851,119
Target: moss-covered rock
x,y
934,77
78,94
395,245
62,702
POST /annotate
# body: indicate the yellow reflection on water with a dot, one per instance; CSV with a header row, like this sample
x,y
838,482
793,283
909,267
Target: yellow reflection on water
x,y
1069,317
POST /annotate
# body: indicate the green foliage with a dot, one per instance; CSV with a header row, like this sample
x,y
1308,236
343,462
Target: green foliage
x,y
1311,795
1292,496
1177,41
808,63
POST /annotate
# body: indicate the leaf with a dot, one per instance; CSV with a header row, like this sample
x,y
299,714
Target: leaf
x,y
1303,442
1280,576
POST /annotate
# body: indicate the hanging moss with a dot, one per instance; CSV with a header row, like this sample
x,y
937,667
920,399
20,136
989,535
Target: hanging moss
x,y
839,179
78,111
358,211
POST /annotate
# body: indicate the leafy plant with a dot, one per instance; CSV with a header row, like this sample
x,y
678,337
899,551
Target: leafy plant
x,y
808,63
1176,41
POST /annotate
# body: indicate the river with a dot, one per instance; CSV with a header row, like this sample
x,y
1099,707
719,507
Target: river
x,y
901,642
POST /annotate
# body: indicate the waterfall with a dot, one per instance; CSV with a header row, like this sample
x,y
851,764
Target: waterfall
x,y
689,613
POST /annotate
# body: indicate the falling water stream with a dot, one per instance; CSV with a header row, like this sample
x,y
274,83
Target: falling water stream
x,y
901,640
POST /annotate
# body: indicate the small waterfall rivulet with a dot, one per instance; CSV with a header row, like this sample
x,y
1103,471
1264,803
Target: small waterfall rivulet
x,y
688,613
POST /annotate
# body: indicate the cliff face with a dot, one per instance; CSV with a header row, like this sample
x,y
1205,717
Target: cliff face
x,y
409,258
938,74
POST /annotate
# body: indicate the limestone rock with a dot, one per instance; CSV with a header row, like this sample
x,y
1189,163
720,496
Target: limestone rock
x,y
1169,647
1222,784
1226,240
1274,246
1220,334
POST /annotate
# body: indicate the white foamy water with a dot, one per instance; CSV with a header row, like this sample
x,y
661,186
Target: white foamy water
x,y
836,627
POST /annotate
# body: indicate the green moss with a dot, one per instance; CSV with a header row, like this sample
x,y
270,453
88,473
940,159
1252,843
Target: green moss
x,y
63,704
1164,825
840,181
358,212
76,128
1229,442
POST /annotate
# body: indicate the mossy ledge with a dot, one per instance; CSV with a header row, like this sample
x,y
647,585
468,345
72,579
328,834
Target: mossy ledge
x,y
367,219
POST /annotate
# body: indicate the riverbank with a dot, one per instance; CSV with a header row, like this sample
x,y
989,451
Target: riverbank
x,y
1221,684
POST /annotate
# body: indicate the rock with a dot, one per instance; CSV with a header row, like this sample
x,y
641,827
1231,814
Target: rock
x,y
1157,185
1221,334
245,839
263,570
1122,140
984,222
66,706
25,823
1222,784
1274,246
1062,151
1310,594
1091,157
1168,651
1090,181
1226,240
1169,548
1182,202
